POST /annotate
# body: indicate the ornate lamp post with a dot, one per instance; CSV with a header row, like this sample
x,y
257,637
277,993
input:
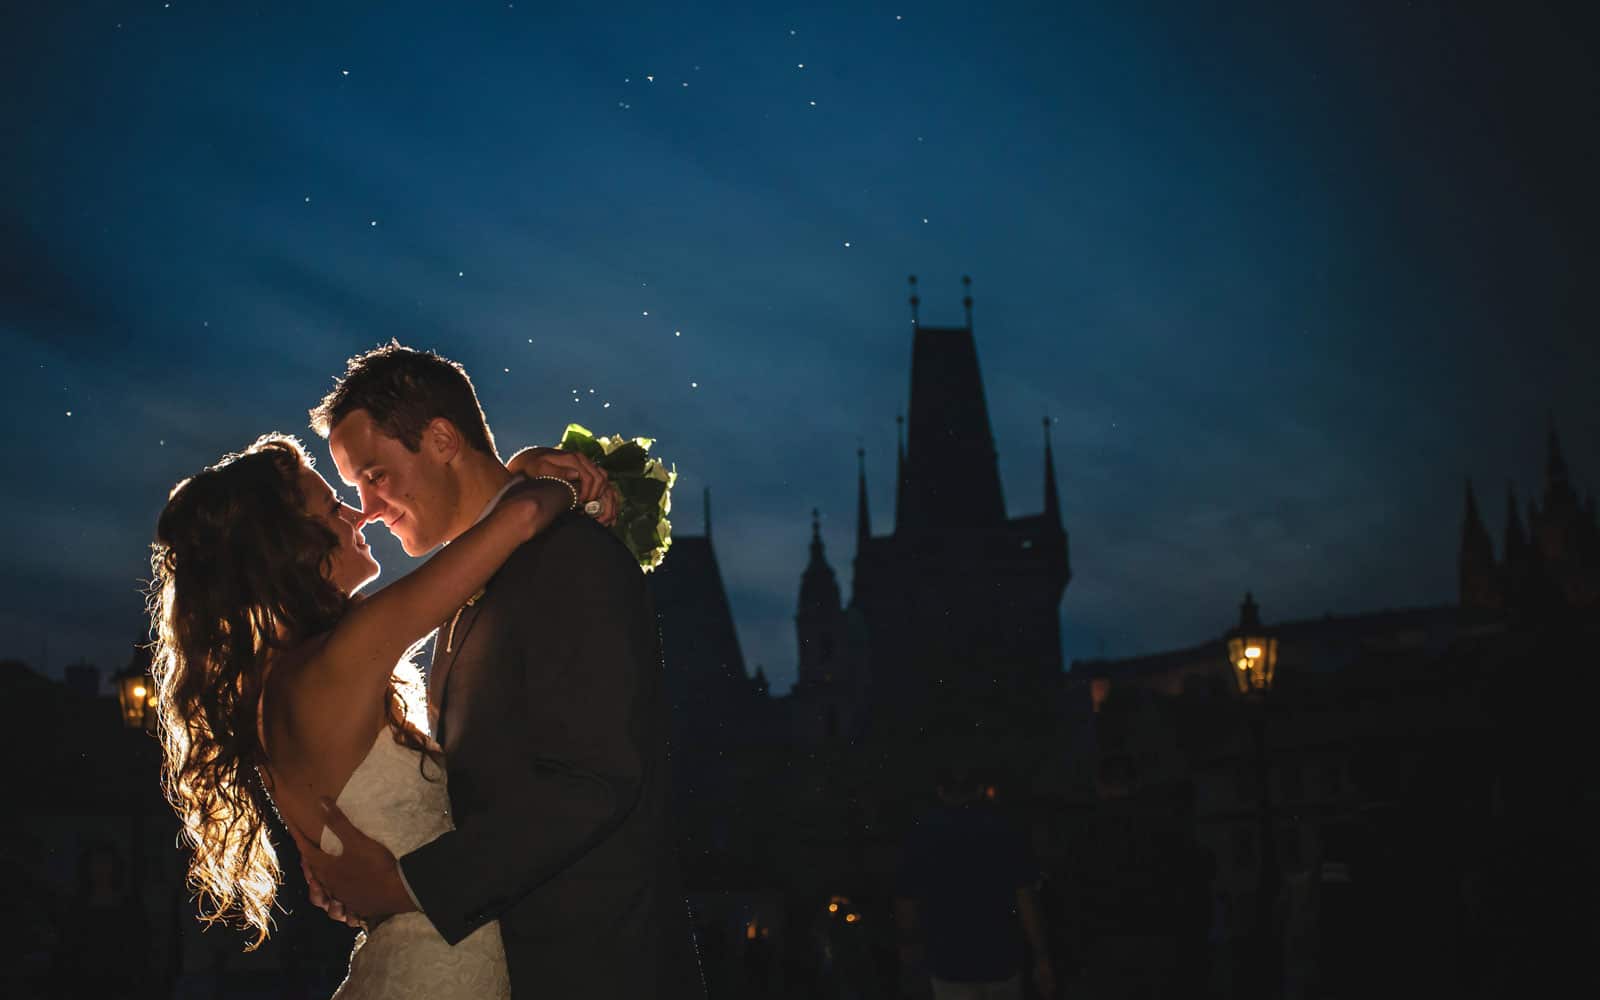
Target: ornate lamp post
x,y
136,691
1253,651
1253,660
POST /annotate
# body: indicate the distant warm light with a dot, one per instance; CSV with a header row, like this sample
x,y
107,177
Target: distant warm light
x,y
833,907
1244,664
851,918
750,931
139,691
988,792
1099,690
1253,652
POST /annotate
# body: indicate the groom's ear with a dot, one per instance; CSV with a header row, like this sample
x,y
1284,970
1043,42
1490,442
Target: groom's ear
x,y
441,440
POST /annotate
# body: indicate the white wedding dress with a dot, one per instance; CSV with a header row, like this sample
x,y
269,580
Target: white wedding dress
x,y
389,798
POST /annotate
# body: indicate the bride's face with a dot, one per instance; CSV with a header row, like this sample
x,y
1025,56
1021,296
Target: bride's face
x,y
351,566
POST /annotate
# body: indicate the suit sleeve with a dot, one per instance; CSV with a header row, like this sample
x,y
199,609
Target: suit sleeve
x,y
563,809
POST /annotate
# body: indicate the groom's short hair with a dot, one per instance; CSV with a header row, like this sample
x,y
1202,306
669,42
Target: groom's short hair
x,y
402,390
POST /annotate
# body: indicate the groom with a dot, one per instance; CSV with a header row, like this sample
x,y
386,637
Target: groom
x,y
546,695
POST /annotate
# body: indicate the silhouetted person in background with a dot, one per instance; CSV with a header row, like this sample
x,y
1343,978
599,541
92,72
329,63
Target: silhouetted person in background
x,y
103,949
968,892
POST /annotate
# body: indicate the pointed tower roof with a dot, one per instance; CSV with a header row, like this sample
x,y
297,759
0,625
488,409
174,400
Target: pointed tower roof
x,y
949,428
1473,533
1561,501
899,469
863,516
1555,466
1476,574
1516,538
1052,502
819,588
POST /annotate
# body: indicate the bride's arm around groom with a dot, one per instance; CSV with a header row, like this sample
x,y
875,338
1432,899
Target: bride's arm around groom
x,y
553,720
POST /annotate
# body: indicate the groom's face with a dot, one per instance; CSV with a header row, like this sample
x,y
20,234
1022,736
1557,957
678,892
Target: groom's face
x,y
409,491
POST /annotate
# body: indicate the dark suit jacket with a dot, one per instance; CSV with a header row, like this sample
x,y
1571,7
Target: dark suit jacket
x,y
551,711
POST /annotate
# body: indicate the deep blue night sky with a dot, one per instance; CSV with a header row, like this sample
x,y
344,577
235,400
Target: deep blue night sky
x,y
1281,279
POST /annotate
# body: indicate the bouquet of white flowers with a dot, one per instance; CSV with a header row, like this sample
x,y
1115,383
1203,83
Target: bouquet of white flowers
x,y
643,484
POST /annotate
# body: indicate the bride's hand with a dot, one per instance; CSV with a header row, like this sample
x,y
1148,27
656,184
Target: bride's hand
x,y
584,475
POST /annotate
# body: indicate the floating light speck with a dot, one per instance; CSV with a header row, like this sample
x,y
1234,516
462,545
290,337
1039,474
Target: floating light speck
x,y
646,312
847,243
308,199
374,222
650,78
69,413
344,72
508,371
694,385
677,333
461,274
799,65
924,222
606,406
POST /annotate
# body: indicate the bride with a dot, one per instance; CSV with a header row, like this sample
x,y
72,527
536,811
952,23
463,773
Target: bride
x,y
278,684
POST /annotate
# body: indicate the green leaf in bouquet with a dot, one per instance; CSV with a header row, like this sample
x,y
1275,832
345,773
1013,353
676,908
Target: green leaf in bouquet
x,y
653,469
642,536
643,493
578,438
626,460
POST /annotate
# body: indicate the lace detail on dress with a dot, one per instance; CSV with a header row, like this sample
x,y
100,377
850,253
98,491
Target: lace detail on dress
x,y
398,797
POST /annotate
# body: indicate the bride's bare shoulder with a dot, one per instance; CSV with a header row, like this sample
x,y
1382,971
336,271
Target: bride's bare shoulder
x,y
305,696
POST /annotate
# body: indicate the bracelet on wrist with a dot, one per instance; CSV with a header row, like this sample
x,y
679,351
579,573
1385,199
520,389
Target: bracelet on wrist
x,y
557,479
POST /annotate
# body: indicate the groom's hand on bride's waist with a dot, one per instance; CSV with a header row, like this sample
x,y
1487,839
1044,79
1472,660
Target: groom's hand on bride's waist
x,y
361,883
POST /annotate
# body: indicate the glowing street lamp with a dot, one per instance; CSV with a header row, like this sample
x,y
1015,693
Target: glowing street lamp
x,y
1252,651
136,691
1253,659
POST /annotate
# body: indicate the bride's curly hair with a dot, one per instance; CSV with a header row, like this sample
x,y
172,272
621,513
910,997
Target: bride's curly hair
x,y
239,572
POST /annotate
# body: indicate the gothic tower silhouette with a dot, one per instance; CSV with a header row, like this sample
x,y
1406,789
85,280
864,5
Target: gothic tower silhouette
x,y
961,602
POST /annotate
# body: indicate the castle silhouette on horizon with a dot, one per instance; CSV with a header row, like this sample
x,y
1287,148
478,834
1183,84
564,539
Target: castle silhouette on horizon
x,y
1136,778
954,613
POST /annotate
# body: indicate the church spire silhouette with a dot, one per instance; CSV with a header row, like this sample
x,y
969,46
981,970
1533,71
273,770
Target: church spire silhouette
x,y
899,470
1478,586
863,516
1052,501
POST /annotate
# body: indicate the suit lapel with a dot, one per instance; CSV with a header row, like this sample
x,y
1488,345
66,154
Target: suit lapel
x,y
447,645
